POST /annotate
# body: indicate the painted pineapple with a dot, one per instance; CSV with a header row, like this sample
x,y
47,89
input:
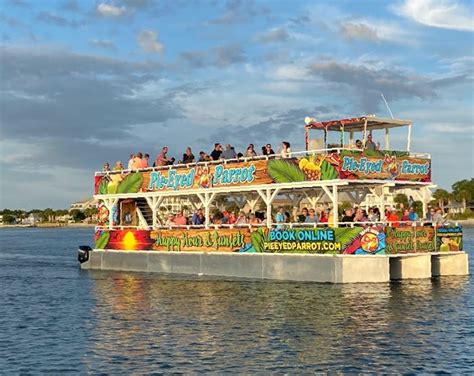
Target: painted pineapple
x,y
312,166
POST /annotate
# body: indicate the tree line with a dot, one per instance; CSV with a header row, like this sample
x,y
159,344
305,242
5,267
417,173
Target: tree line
x,y
12,216
462,192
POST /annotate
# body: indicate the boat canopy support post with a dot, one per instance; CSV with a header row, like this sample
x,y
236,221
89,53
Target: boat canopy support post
x,y
295,200
424,197
154,203
197,204
387,139
365,131
268,196
333,196
357,196
109,204
314,199
206,200
409,138
252,202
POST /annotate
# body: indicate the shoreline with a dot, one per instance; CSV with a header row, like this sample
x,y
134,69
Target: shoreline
x,y
51,225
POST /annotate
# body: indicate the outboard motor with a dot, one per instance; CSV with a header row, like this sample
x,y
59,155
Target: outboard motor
x,y
83,253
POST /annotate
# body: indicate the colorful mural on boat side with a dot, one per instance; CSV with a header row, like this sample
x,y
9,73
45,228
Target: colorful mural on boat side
x,y
382,165
371,240
449,239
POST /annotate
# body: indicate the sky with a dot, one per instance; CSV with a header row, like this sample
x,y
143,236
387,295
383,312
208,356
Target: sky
x,y
88,82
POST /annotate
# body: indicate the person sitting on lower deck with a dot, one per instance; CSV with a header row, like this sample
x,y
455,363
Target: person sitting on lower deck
x,y
254,220
180,219
312,217
303,215
241,219
392,218
170,221
348,215
198,218
280,217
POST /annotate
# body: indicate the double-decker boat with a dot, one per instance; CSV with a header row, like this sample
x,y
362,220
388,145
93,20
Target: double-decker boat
x,y
132,233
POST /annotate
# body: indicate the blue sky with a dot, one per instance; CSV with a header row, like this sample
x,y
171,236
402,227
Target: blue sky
x,y
84,82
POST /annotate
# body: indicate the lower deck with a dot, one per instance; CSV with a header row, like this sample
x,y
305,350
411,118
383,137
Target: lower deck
x,y
288,267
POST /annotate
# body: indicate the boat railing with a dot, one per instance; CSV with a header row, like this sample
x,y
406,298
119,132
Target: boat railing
x,y
289,225
246,159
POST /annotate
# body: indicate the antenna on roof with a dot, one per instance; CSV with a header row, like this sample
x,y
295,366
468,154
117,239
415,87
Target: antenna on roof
x,y
388,107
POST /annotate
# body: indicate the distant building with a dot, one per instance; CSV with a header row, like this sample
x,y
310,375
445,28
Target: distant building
x,y
32,219
83,205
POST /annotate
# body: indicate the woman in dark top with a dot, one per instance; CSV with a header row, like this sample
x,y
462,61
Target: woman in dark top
x,y
188,157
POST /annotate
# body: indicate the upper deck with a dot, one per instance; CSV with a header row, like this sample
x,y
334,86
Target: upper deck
x,y
300,169
346,162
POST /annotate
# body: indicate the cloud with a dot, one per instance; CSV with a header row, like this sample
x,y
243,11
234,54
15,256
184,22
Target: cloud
x,y
103,43
237,11
368,83
444,14
139,4
227,55
109,10
148,41
74,95
196,59
279,126
54,19
272,36
70,6
353,31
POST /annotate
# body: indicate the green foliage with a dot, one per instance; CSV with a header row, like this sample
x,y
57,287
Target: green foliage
x,y
102,240
103,187
77,215
328,172
343,206
418,208
284,172
346,235
464,190
258,238
8,219
131,183
468,214
401,198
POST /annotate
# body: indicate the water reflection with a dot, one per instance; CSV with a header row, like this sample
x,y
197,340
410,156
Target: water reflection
x,y
186,324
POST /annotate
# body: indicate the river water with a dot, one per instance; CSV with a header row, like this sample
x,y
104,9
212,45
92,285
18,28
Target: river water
x,y
56,318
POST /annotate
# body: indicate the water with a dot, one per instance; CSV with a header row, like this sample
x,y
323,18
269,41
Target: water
x,y
56,318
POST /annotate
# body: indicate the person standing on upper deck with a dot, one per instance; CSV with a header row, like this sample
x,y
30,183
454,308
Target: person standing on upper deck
x,y
250,151
130,162
229,152
162,159
370,144
216,153
188,156
267,150
285,150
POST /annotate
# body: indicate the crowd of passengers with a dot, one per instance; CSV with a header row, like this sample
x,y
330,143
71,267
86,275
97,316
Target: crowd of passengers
x,y
140,161
396,217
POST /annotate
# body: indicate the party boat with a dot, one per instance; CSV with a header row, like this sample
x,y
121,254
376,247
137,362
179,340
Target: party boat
x,y
133,235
